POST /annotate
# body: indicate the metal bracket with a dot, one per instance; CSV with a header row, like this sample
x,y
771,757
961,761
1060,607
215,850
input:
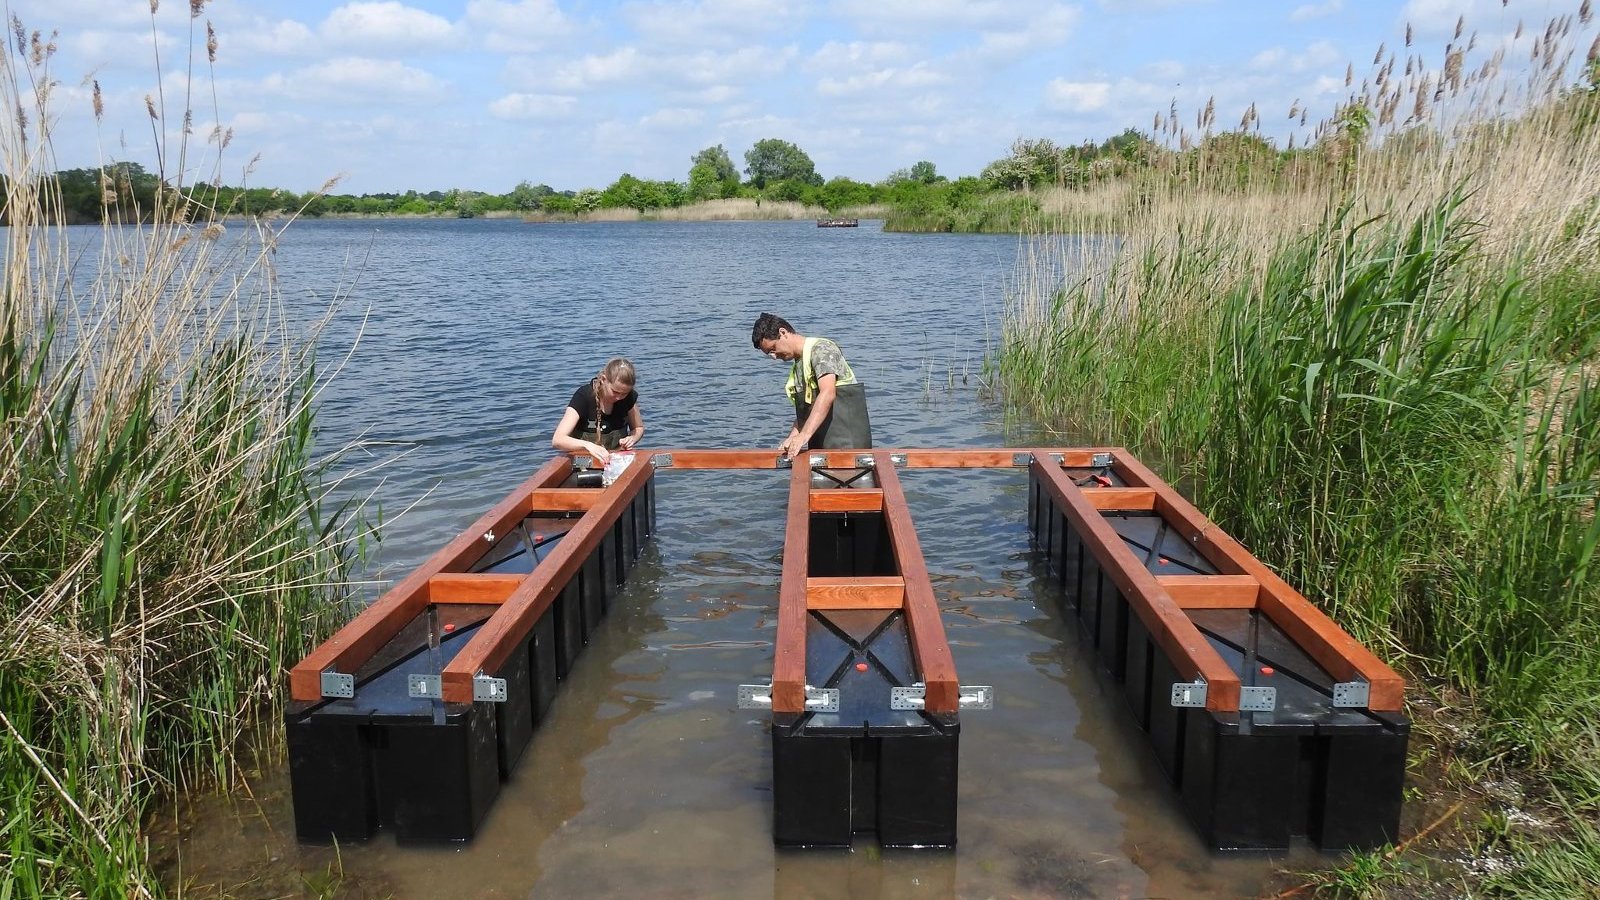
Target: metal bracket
x,y
338,684
784,462
759,696
1023,459
1352,694
1101,460
423,687
489,536
661,460
1189,693
865,460
489,689
818,460
1258,699
971,696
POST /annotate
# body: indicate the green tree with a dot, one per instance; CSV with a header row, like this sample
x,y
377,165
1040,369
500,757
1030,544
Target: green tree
x,y
717,161
924,172
773,160
527,196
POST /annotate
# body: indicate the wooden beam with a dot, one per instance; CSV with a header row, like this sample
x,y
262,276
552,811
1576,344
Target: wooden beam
x,y
361,637
929,648
847,500
1191,654
1335,650
789,650
1211,591
864,592
564,499
498,638
1120,498
472,587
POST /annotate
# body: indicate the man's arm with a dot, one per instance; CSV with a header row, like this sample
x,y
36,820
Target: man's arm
x,y
827,388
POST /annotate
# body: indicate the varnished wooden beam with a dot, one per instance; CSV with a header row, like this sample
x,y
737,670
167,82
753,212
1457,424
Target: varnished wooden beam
x,y
929,648
789,651
864,592
847,500
358,640
563,499
1211,591
472,587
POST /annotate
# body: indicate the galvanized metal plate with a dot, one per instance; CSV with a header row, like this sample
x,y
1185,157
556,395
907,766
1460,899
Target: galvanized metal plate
x,y
822,699
818,460
864,460
338,684
1258,699
911,697
1101,460
662,460
755,696
423,687
977,696
1189,693
491,690
1352,694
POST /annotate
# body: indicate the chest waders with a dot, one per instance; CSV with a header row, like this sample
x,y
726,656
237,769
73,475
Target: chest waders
x,y
847,425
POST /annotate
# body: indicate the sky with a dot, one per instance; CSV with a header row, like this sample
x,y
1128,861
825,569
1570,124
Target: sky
x,y
395,95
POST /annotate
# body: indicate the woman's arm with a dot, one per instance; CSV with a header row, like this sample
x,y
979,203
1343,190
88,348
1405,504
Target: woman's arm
x,y
635,429
563,439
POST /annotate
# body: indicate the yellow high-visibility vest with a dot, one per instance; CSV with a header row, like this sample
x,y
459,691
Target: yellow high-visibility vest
x,y
801,374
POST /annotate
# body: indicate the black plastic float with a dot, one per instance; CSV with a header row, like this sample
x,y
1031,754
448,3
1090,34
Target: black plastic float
x,y
1270,720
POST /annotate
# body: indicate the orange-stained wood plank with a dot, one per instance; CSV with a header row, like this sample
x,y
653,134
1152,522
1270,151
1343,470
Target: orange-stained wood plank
x,y
847,500
789,650
563,499
1191,654
358,640
865,592
1120,498
1343,656
929,648
472,587
488,649
1211,591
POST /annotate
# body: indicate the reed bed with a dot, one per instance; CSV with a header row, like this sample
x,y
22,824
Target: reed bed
x,y
1381,376
165,551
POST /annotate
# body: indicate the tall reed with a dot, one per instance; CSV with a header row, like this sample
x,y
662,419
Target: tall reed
x,y
165,552
1380,375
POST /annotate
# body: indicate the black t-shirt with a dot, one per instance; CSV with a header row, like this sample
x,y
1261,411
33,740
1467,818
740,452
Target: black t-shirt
x,y
616,420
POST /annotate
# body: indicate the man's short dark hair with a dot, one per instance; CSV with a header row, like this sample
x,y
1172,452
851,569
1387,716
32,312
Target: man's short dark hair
x,y
766,329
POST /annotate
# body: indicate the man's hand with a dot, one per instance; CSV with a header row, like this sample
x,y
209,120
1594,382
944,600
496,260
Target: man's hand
x,y
791,446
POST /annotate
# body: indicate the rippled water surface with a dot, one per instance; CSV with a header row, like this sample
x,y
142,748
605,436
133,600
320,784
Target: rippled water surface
x,y
646,779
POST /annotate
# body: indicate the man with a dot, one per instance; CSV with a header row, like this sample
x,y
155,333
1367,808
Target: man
x,y
830,406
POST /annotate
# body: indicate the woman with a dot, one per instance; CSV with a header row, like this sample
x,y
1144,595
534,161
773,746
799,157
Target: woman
x,y
599,412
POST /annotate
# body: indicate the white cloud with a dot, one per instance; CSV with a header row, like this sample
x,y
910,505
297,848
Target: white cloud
x,y
672,119
631,67
923,16
1319,55
712,22
622,65
921,75
838,55
385,25
1077,96
285,37
1439,17
533,106
1051,28
357,79
1316,10
515,27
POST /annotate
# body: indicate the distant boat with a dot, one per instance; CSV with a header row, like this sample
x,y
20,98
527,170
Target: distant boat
x,y
837,223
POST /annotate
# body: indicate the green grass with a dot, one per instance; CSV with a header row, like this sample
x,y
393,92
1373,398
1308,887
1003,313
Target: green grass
x,y
1396,404
165,553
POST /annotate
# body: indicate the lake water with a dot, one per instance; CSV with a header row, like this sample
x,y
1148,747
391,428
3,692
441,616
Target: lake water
x,y
646,780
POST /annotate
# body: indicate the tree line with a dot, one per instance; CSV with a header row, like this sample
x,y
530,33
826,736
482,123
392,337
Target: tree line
x,y
774,169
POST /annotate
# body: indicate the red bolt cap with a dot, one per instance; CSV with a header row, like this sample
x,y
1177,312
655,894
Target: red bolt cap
x,y
1266,670
449,626
861,667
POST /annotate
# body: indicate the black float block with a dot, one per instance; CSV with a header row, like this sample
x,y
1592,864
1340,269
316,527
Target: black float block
x,y
1360,797
593,594
568,609
1136,681
437,780
1239,781
514,718
330,777
866,767
1167,722
543,670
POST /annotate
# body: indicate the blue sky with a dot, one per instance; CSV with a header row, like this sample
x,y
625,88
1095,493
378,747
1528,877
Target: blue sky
x,y
483,94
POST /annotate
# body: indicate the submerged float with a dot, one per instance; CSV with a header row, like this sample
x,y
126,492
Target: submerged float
x,y
1269,720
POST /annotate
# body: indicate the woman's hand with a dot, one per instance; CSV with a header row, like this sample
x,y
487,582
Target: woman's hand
x,y
598,452
628,442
